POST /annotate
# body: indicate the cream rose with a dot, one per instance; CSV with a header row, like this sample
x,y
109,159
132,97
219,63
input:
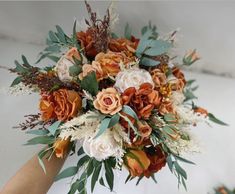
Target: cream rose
x,y
65,62
132,78
101,147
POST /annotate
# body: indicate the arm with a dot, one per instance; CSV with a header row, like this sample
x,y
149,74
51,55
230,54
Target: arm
x,y
31,179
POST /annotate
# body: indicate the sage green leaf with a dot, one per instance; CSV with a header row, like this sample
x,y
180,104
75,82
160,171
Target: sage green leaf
x,y
74,187
41,140
127,178
153,178
80,151
216,120
184,160
113,35
104,125
53,128
61,34
101,181
128,110
180,170
109,175
158,47
95,176
149,62
114,120
68,172
53,58
38,132
41,154
139,179
144,42
16,81
19,68
83,161
52,36
53,48
25,61
90,84
75,70
170,162
127,32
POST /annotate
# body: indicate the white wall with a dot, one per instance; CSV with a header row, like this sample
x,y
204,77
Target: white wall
x,y
208,26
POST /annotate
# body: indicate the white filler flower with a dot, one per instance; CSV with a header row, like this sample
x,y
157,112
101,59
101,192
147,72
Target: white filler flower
x,y
132,78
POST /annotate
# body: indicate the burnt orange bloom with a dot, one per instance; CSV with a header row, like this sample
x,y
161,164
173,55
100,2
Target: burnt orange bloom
x,y
87,42
166,107
61,147
201,111
123,45
142,100
157,160
178,74
159,77
61,104
137,167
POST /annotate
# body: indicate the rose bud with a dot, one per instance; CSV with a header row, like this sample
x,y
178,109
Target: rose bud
x,y
61,147
190,58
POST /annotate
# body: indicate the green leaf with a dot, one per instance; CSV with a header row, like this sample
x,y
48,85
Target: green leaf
x,y
74,187
149,62
180,170
114,120
52,36
16,81
101,181
90,168
53,58
61,34
139,179
144,42
90,84
41,154
80,151
128,110
215,120
113,35
170,162
41,140
184,160
103,126
75,70
109,175
53,128
19,68
95,176
83,161
170,118
38,132
153,178
127,178
158,47
25,61
127,32
53,48
68,172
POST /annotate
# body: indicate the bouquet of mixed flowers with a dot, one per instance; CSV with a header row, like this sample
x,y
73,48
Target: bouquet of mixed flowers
x,y
124,101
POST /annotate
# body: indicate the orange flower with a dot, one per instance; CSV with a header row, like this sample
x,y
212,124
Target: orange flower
x,y
143,100
123,45
159,77
87,43
110,61
157,160
201,111
61,104
94,67
61,147
178,74
137,166
73,53
144,129
166,107
108,101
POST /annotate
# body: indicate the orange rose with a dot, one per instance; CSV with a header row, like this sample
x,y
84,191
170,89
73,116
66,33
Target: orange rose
x,y
108,101
87,42
166,107
144,129
178,74
123,45
157,160
137,167
142,100
61,104
94,67
110,61
159,78
61,147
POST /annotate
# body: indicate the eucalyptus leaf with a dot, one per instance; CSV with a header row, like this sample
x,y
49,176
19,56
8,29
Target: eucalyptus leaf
x,y
127,32
128,110
180,170
95,176
90,84
68,172
216,120
148,62
25,61
158,47
16,81
41,140
53,128
103,126
114,120
52,36
38,132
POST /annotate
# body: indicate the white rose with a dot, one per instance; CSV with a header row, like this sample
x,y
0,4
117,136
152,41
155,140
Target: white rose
x,y
132,78
62,69
101,147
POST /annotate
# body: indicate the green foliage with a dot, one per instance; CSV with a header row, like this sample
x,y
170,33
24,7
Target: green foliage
x,y
90,84
54,127
149,47
216,120
68,172
128,110
41,140
16,81
109,174
189,91
57,42
41,155
103,126
128,31
38,132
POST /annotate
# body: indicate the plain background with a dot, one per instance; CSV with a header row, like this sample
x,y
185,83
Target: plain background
x,y
207,26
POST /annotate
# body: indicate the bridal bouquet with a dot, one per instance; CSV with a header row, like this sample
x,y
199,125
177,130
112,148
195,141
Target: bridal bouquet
x,y
118,102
